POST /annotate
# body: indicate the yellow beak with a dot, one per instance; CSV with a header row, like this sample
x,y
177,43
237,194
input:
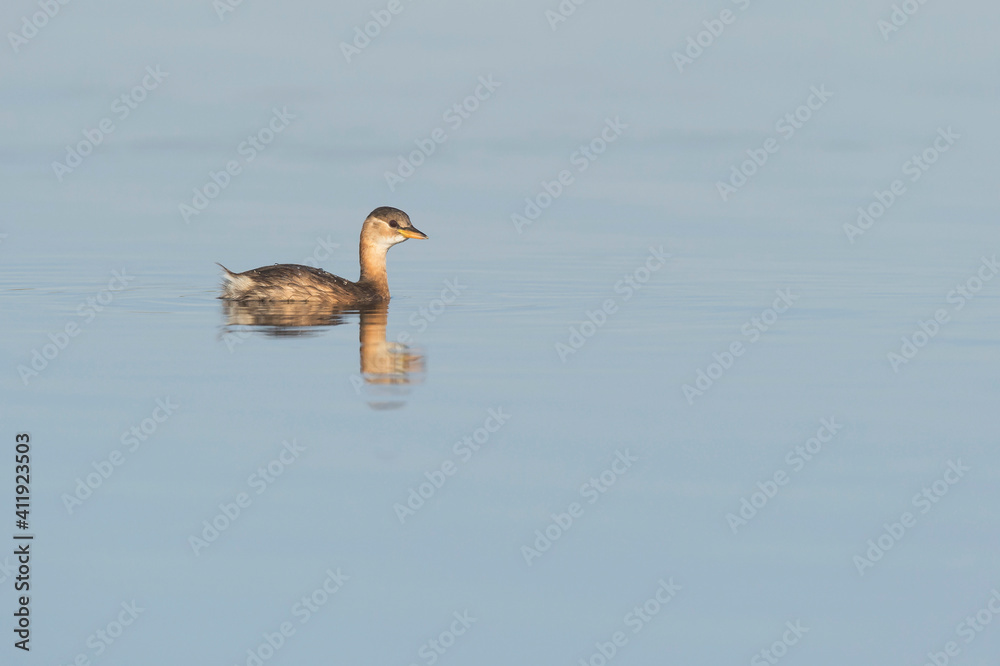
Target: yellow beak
x,y
412,232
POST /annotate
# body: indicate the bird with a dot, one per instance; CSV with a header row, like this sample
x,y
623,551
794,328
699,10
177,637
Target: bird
x,y
384,227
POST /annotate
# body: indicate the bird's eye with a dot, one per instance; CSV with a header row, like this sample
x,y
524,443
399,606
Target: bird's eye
x,y
393,223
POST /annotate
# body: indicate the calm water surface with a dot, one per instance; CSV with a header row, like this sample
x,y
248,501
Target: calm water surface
x,y
651,423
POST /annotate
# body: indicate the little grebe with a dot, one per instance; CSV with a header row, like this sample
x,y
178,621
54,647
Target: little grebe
x,y
383,228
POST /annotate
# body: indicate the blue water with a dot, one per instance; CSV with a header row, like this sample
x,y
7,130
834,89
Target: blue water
x,y
638,418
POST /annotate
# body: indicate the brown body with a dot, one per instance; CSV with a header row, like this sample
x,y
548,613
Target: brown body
x,y
383,228
292,282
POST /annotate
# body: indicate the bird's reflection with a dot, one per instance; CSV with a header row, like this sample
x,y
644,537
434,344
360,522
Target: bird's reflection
x,y
387,368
